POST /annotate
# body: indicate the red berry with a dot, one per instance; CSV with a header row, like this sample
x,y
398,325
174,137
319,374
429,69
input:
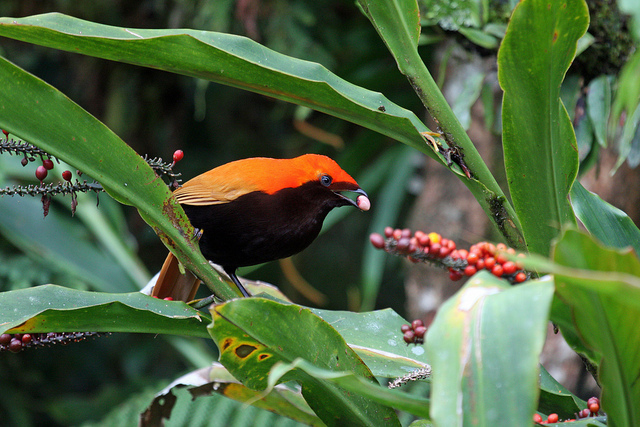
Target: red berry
x,y
41,173
420,331
497,270
377,240
444,251
178,155
66,175
501,247
416,323
537,418
552,418
5,339
5,133
463,253
408,337
472,258
168,299
434,248
594,408
480,264
455,275
509,267
403,245
593,400
584,413
15,345
489,262
404,328
501,259
470,270
26,339
48,164
397,234
521,277
388,231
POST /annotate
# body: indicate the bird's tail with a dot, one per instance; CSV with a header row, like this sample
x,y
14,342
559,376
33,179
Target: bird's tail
x,y
173,284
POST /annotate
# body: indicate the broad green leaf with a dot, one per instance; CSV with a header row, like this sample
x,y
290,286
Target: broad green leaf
x,y
541,157
601,288
41,115
215,379
58,242
51,308
554,398
293,332
484,346
599,107
228,59
607,223
376,338
391,17
393,398
388,16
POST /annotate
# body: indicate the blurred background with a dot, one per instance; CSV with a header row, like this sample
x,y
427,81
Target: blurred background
x,y
109,248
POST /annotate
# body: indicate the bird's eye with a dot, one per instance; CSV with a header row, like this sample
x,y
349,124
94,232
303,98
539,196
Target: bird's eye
x,y
325,180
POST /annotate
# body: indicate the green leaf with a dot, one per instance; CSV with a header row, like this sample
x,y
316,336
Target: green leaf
x,y
41,115
599,107
484,346
541,157
376,338
51,308
391,17
283,400
348,380
601,288
293,332
607,223
554,398
228,59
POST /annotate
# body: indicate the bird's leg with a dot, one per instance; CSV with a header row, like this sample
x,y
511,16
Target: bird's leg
x,y
232,275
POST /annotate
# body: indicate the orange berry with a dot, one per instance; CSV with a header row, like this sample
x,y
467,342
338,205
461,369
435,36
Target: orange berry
x,y
501,247
501,259
435,237
470,270
480,264
521,277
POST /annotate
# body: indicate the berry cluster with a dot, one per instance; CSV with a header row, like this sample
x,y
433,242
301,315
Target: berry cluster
x,y
16,342
442,252
30,153
414,333
592,410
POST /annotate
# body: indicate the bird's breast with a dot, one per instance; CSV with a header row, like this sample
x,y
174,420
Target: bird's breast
x,y
259,227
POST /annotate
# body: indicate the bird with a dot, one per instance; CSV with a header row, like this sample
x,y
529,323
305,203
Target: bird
x,y
256,210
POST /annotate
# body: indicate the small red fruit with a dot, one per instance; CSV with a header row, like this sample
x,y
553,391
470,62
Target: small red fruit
x,y
537,418
552,418
377,240
48,164
489,262
509,267
455,275
521,277
497,270
404,328
470,270
41,173
416,323
177,156
66,175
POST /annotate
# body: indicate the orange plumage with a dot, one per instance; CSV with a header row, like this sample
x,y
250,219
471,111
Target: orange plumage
x,y
260,209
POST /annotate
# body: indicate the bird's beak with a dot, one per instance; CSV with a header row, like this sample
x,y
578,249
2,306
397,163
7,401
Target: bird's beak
x,y
361,202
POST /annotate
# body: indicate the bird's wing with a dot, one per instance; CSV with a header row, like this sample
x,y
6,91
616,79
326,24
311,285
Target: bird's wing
x,y
212,189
